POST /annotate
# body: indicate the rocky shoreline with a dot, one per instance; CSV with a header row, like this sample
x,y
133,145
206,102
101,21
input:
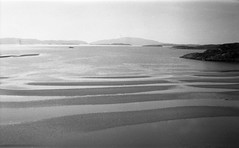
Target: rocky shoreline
x,y
224,53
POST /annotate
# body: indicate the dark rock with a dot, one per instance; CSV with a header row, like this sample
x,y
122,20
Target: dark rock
x,y
224,53
197,47
231,46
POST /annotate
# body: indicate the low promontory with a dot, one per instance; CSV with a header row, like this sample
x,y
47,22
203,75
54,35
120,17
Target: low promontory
x,y
223,53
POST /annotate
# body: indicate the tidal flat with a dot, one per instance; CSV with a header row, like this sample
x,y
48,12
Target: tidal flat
x,y
116,96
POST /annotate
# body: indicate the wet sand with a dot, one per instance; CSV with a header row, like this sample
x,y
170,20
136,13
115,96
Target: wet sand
x,y
100,83
227,86
28,114
22,55
40,133
215,80
219,75
83,91
118,77
118,99
108,97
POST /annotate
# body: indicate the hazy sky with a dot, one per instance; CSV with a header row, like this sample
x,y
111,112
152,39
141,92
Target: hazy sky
x,y
171,21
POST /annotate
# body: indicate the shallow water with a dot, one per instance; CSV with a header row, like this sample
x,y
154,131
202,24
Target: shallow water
x,y
98,61
62,82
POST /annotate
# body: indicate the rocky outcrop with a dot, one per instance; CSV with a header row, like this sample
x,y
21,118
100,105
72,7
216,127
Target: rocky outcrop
x,y
208,46
224,53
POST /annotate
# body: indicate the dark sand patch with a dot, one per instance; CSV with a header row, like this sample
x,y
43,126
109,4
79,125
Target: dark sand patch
x,y
99,83
221,71
4,77
116,99
45,131
218,75
228,71
22,55
25,55
232,93
84,91
227,86
117,77
7,56
223,80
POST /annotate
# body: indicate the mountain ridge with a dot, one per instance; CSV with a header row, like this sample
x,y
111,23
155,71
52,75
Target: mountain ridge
x,y
126,41
22,41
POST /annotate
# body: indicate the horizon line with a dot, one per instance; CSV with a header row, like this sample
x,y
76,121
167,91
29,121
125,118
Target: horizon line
x,y
87,42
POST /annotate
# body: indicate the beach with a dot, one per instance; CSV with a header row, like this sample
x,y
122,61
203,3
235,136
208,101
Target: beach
x,y
116,96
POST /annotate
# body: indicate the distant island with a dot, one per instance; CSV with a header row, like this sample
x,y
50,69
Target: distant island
x,y
120,44
118,41
153,45
195,46
19,41
228,52
223,52
126,41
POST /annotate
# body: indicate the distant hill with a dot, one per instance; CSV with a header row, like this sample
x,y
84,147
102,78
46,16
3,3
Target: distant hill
x,y
126,41
19,41
158,45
